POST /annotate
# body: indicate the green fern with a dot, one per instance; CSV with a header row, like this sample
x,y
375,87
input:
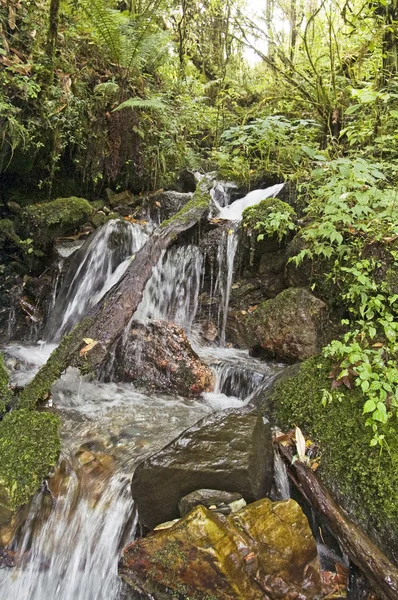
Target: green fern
x,y
149,104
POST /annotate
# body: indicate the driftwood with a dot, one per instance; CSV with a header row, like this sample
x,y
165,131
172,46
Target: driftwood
x,y
106,321
381,573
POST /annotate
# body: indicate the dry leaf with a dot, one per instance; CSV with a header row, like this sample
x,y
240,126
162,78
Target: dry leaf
x,y
89,347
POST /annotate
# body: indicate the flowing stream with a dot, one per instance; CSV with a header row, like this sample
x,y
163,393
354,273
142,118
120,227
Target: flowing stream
x,y
67,548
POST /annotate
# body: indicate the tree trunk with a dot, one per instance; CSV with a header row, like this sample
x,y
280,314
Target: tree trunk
x,y
107,320
381,573
52,34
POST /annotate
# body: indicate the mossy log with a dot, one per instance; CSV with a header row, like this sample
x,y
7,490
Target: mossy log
x,y
381,573
107,320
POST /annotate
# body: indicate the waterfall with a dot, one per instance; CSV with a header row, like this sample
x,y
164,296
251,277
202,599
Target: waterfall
x,y
172,292
95,268
234,211
232,246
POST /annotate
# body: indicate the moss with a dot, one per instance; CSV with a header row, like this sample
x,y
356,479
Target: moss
x,y
362,478
44,222
200,200
39,388
5,392
8,234
29,447
261,211
99,219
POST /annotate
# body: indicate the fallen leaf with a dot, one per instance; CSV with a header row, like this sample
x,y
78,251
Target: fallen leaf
x,y
87,348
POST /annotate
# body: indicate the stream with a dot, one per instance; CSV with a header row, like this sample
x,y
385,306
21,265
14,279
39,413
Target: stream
x,y
68,545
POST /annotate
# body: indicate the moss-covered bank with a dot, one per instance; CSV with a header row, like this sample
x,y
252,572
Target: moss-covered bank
x,y
29,447
363,479
44,222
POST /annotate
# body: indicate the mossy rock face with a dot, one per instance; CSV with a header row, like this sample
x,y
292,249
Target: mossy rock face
x,y
265,550
44,222
288,327
363,479
5,392
8,235
261,211
29,447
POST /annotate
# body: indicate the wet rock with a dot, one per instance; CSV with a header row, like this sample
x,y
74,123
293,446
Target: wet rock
x,y
159,357
6,523
289,327
123,199
187,181
229,450
263,552
14,207
163,205
216,500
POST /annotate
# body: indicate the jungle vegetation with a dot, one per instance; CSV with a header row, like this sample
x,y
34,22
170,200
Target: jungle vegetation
x,y
118,94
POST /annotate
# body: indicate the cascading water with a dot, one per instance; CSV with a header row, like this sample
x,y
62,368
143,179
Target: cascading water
x,y
173,290
95,268
233,212
68,547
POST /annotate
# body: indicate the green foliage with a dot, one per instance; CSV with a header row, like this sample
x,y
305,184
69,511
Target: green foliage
x,y
366,481
269,217
29,447
354,215
267,145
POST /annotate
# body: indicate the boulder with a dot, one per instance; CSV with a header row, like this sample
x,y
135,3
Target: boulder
x,y
263,552
44,222
158,357
289,327
230,450
222,502
163,205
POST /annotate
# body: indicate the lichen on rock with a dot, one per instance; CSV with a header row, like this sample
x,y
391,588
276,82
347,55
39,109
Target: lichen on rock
x,y
265,550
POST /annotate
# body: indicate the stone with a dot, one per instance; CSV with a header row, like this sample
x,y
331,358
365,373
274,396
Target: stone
x,y
158,357
229,450
123,199
219,501
263,552
49,220
290,327
163,205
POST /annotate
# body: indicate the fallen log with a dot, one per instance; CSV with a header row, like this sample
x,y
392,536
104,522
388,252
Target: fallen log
x,y
107,320
381,573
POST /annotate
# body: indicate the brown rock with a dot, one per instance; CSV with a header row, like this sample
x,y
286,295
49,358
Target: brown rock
x,y
229,450
158,356
263,552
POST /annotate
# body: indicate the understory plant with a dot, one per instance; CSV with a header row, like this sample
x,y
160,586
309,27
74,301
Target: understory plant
x,y
353,215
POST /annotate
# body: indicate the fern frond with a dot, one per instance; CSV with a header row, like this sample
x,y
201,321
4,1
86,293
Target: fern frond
x,y
149,104
106,22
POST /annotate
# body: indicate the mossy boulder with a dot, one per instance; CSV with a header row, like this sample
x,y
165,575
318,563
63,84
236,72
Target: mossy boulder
x,y
44,222
363,479
258,219
29,447
288,327
265,550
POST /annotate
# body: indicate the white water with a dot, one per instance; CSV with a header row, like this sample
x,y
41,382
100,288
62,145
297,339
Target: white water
x,y
234,211
95,268
232,246
69,551
173,290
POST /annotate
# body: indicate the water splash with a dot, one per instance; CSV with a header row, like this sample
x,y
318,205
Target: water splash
x,y
281,479
95,268
172,292
234,211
